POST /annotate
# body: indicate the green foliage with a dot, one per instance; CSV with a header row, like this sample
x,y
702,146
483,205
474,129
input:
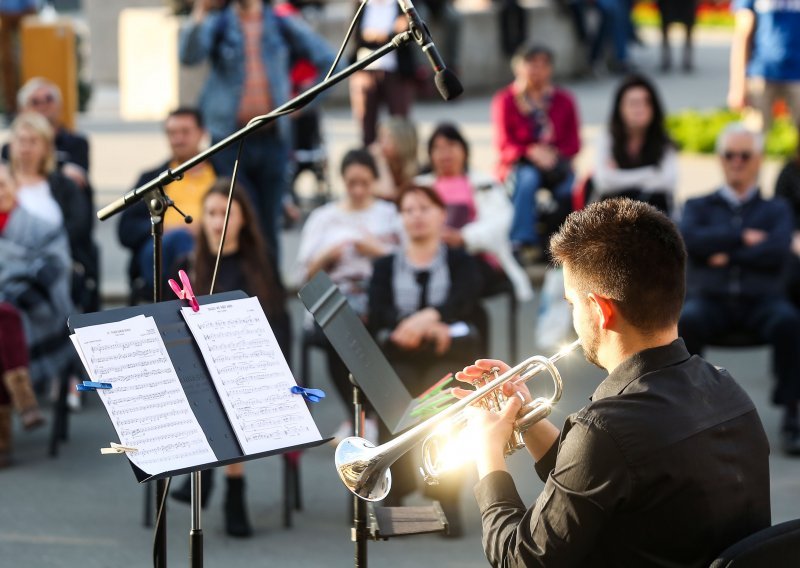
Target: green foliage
x,y
697,131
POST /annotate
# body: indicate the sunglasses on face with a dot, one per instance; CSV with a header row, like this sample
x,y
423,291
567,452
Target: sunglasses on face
x,y
45,100
729,156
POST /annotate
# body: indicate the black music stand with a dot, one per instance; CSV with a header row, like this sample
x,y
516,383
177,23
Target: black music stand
x,y
200,392
372,376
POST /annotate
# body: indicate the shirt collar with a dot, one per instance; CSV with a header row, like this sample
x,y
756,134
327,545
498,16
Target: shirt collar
x,y
640,364
733,198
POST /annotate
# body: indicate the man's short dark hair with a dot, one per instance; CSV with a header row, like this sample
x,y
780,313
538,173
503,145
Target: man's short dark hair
x,y
630,252
188,111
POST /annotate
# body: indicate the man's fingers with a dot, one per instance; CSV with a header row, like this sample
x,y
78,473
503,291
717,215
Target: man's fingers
x,y
511,408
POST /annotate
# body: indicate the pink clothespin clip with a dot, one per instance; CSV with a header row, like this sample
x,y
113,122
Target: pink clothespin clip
x,y
186,292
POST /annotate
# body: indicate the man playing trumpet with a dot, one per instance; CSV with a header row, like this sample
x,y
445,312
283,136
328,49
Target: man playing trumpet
x,y
668,463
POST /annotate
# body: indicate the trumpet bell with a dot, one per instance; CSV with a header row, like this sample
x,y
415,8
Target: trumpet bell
x,y
360,468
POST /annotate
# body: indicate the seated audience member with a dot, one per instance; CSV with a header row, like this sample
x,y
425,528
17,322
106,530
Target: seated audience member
x,y
343,238
16,388
48,193
635,157
536,135
243,266
72,161
738,245
184,129
788,187
419,297
478,210
395,153
72,148
35,279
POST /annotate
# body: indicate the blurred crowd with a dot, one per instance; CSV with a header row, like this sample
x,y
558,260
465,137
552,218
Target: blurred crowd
x,y
419,238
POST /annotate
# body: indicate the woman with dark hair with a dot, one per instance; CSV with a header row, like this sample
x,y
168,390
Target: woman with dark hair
x,y
636,157
246,264
478,210
343,238
422,300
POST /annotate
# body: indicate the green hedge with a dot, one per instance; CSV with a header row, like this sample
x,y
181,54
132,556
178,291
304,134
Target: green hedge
x,y
697,132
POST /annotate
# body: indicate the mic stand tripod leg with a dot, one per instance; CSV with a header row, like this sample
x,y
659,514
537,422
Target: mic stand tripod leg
x,y
359,531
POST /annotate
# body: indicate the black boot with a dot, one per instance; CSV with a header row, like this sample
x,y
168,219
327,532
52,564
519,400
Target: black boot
x,y
236,521
184,492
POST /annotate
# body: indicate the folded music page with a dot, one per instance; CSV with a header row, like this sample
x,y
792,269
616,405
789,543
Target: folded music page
x,y
251,375
146,402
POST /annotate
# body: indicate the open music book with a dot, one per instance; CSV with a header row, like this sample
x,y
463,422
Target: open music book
x,y
183,394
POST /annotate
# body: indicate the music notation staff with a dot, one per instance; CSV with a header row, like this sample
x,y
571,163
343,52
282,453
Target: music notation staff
x,y
146,404
251,375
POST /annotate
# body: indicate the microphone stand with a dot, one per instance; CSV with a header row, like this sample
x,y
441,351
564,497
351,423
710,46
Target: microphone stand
x,y
157,202
169,175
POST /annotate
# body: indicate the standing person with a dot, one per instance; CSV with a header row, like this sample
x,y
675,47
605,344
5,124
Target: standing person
x,y
344,238
635,157
668,464
536,135
11,14
765,59
388,81
185,132
250,50
243,266
739,246
682,12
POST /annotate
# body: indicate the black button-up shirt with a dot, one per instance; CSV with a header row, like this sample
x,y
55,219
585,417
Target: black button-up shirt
x,y
667,466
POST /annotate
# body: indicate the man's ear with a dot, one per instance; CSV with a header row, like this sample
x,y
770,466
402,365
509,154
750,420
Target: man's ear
x,y
604,308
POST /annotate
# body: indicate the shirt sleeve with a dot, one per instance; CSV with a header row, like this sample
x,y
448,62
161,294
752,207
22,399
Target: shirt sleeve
x,y
743,5
589,483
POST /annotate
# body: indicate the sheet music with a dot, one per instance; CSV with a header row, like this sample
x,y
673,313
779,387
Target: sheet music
x,y
252,377
146,403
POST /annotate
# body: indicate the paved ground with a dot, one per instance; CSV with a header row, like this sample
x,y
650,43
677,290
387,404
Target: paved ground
x,y
85,510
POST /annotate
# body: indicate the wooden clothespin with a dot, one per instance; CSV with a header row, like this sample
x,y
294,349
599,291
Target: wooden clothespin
x,y
185,293
117,449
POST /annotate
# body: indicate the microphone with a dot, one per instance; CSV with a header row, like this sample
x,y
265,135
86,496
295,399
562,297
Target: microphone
x,y
446,81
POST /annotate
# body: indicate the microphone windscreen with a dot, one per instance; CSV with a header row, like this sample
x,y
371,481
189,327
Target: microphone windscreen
x,y
448,84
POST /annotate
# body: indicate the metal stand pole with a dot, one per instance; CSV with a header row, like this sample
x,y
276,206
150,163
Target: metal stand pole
x,y
157,204
358,533
196,533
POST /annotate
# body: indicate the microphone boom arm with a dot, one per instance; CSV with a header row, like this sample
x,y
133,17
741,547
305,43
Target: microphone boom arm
x,y
170,175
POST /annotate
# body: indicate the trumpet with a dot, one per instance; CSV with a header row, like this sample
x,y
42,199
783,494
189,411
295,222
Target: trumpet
x,y
364,468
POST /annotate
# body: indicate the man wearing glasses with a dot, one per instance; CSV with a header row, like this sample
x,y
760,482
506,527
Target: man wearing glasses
x,y
739,245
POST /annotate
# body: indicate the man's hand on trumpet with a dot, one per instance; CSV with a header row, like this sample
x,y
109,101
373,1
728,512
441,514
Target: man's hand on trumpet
x,y
492,430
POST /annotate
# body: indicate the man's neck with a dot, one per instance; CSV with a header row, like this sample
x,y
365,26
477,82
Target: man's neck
x,y
622,346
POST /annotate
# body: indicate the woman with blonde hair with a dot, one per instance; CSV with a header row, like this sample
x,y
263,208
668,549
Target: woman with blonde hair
x,y
43,190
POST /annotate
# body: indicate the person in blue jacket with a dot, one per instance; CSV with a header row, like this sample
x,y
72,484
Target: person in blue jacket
x,y
250,50
739,246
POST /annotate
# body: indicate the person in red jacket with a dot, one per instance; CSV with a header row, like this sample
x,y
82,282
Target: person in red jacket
x,y
536,135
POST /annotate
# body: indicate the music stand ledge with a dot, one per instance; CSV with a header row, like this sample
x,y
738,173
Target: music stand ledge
x,y
389,522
